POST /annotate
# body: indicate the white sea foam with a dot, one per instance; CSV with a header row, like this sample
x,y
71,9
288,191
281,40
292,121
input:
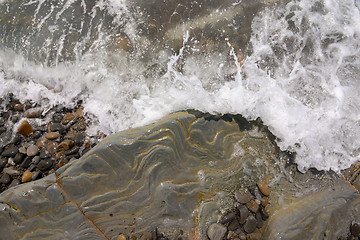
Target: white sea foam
x,y
302,78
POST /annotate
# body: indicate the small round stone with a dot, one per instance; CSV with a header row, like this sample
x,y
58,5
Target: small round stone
x,y
52,135
32,150
355,228
67,118
65,145
3,162
121,237
26,163
216,231
33,113
57,117
57,127
36,160
25,128
10,151
11,171
19,157
250,224
243,196
5,179
244,213
27,176
252,206
51,147
45,164
263,187
14,183
36,175
37,134
228,217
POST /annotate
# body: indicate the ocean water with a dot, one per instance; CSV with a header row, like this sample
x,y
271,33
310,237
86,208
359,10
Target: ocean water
x,y
294,64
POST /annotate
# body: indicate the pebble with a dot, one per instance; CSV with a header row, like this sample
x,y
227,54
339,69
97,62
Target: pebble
x,y
32,150
264,201
250,224
57,117
2,129
264,214
26,163
41,142
25,128
22,150
243,196
44,154
228,217
252,206
67,118
36,159
52,135
65,145
19,107
11,171
14,183
79,138
216,231
36,175
79,126
72,151
57,127
3,162
27,176
121,237
19,157
234,225
5,179
355,228
244,213
79,112
51,147
10,152
254,236
37,134
263,187
44,164
33,113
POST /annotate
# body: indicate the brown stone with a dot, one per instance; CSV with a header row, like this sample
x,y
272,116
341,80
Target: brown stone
x,y
51,147
19,107
25,128
71,134
264,201
41,142
252,206
61,163
67,118
263,187
121,237
27,176
65,145
52,135
250,224
79,112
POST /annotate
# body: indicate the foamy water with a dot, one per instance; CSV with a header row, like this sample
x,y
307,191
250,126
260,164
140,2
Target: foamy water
x,y
301,73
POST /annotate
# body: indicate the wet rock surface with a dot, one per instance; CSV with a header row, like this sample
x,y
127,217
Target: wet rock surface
x,y
40,144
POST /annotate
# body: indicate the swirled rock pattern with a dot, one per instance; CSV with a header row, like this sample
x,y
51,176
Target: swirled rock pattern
x,y
175,174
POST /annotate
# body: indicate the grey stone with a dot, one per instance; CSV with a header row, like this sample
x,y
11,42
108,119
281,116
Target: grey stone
x,y
228,217
243,196
26,163
45,164
32,150
36,134
3,162
19,157
216,231
244,213
36,175
14,183
36,160
57,127
355,228
33,113
79,138
250,224
5,179
10,152
11,171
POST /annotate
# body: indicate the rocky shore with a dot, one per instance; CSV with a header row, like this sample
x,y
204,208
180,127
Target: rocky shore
x,y
35,141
